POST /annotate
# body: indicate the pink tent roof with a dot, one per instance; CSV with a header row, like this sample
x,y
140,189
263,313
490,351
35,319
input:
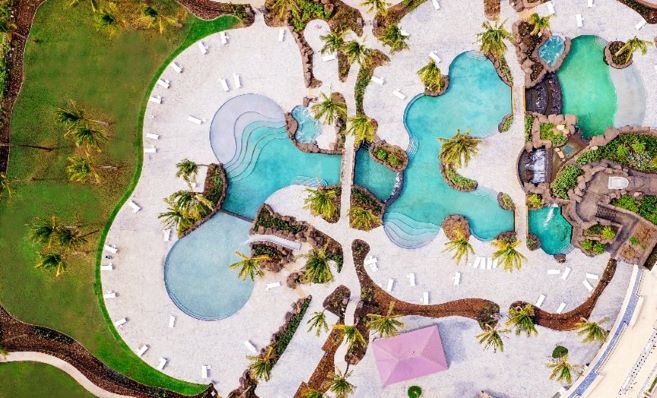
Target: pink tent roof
x,y
409,355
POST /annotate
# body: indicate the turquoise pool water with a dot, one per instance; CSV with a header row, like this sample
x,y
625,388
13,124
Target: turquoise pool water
x,y
551,228
196,271
552,49
476,99
266,161
374,176
309,127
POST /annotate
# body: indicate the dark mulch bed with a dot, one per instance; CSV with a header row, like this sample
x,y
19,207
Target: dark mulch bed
x,y
649,14
208,10
336,302
325,367
568,320
17,336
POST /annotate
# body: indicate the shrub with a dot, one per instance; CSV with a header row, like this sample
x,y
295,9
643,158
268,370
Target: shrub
x,y
292,326
533,243
459,181
548,131
381,154
535,201
506,123
608,233
529,121
634,240
269,220
559,352
590,156
565,181
393,160
507,202
627,202
592,246
414,392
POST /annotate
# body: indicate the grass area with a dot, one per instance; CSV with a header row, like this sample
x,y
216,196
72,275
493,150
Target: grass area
x,y
67,58
18,380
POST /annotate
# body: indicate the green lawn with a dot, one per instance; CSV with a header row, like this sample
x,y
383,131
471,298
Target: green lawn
x,y
16,383
67,58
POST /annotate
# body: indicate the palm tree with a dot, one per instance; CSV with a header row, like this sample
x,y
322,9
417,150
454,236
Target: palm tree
x,y
339,385
362,219
507,251
261,365
318,322
249,266
329,109
491,40
176,216
312,393
321,202
81,169
592,331
562,370
87,136
317,268
357,52
71,237
491,337
5,185
431,76
460,247
362,127
385,325
152,17
282,7
393,38
522,320
333,42
377,6
74,115
539,23
187,170
631,46
52,261
195,204
351,334
458,150
45,230
106,19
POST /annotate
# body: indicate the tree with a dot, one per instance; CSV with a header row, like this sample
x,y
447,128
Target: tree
x,y
592,331
107,20
261,365
176,216
5,185
194,204
431,76
540,23
154,18
362,218
249,266
357,52
385,325
378,6
491,40
187,170
321,202
460,247
44,230
329,109
351,334
362,127
52,261
81,169
340,385
458,150
507,251
333,42
631,46
317,268
82,135
393,38
281,8
312,393
521,318
73,115
318,323
562,370
491,337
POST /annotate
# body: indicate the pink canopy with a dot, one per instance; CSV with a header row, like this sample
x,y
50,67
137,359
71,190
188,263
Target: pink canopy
x,y
409,355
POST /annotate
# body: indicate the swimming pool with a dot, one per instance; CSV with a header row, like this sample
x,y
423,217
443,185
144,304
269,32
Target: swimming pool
x,y
474,100
552,49
196,273
377,178
309,127
552,229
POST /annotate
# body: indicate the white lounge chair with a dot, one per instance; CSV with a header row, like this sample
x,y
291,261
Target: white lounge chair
x,y
107,267
592,276
436,5
156,99
425,298
194,120
590,4
411,278
134,206
121,322
142,350
329,57
224,85
566,272
371,262
553,271
163,83
580,20
561,307
111,248
390,285
378,80
399,94
281,34
177,67
202,47
540,301
151,149
640,24
587,285
475,263
109,295
489,263
435,57
457,278
172,321
162,364
224,38
249,345
273,285
152,136
237,80
205,372
166,234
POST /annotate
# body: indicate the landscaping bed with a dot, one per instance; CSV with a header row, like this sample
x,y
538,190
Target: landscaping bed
x,y
365,74
279,256
611,59
363,199
391,156
457,181
456,227
628,148
505,201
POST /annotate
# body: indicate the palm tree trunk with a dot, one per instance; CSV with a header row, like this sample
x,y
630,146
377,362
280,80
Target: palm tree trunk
x,y
90,233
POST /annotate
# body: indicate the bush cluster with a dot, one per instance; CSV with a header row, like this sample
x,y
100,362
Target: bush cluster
x,y
565,181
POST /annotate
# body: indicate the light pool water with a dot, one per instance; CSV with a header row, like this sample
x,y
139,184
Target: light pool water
x,y
477,100
374,176
552,49
552,229
309,127
196,271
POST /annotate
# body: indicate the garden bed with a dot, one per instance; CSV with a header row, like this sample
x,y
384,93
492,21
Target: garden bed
x,y
611,59
391,156
456,227
361,198
457,181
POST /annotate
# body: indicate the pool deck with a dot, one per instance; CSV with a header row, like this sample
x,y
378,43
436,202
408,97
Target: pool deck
x,y
137,277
